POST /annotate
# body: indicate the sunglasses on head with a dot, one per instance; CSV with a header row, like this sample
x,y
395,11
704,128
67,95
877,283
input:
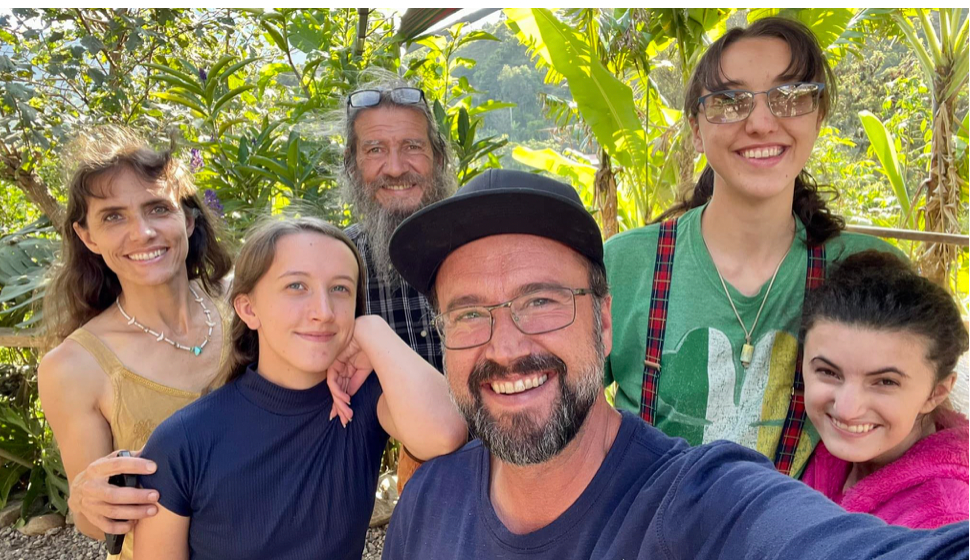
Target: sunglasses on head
x,y
372,97
787,100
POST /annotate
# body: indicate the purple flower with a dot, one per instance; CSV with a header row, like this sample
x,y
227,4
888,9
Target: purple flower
x,y
197,162
212,201
203,75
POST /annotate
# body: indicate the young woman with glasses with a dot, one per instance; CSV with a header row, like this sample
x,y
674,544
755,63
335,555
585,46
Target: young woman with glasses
x,y
706,305
261,468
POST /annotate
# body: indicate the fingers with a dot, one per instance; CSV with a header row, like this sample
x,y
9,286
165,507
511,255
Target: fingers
x,y
112,527
337,389
112,465
111,507
343,411
122,514
117,496
119,515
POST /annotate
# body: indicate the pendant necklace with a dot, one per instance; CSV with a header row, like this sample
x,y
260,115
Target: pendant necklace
x,y
747,350
160,336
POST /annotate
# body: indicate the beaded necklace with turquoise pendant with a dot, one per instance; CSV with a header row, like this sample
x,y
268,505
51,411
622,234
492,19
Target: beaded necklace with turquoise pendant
x,y
160,336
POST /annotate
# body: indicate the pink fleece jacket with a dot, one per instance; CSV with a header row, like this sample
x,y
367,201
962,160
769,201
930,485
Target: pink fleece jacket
x,y
925,488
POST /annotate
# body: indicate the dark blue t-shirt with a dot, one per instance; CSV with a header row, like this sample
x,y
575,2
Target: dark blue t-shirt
x,y
653,498
264,473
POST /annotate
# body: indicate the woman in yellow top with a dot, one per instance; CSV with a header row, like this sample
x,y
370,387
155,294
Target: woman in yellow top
x,y
133,308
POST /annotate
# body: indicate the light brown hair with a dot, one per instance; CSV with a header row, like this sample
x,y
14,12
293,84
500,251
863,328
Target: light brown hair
x,y
255,258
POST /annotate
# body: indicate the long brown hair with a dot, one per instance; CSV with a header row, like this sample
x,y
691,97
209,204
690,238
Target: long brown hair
x,y
807,64
255,258
82,285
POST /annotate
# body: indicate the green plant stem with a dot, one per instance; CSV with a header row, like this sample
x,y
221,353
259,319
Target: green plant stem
x,y
14,459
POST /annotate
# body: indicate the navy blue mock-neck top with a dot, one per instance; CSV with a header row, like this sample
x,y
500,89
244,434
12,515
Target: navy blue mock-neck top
x,y
264,473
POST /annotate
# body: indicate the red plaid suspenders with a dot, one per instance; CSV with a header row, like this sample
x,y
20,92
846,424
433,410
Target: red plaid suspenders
x,y
663,270
656,328
791,432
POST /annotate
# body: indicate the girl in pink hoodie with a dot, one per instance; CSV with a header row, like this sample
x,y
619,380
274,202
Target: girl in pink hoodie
x,y
881,344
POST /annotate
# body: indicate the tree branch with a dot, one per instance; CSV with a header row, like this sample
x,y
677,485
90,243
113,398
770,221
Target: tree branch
x,y
34,187
289,57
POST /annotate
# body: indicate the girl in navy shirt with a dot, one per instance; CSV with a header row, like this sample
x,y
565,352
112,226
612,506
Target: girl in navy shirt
x,y
259,468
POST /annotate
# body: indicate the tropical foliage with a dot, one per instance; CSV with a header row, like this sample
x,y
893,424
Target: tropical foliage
x,y
594,96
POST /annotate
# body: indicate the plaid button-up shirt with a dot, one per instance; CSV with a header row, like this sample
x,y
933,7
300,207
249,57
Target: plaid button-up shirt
x,y
405,310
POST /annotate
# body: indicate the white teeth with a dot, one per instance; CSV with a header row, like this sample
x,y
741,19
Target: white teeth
x,y
855,429
510,388
398,187
147,256
761,153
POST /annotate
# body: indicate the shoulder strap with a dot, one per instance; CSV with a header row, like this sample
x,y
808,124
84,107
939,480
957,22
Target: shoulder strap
x,y
657,319
791,432
107,359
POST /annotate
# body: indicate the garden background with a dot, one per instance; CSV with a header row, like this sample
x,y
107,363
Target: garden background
x,y
591,96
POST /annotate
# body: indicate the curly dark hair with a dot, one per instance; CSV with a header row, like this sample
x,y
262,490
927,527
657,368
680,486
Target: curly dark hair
x,y
879,291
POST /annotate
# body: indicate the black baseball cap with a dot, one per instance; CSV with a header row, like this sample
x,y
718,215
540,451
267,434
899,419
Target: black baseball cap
x,y
496,202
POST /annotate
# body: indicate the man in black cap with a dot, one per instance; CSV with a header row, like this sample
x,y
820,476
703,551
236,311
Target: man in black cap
x,y
514,264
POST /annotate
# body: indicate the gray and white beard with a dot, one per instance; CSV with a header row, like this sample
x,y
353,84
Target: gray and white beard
x,y
529,440
379,222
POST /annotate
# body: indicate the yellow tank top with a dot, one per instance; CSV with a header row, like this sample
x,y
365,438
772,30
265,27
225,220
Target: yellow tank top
x,y
140,404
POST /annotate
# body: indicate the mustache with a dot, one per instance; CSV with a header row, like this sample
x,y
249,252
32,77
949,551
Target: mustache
x,y
409,177
487,370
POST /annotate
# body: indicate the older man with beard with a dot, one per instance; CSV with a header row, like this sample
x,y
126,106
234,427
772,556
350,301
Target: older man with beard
x,y
395,163
515,265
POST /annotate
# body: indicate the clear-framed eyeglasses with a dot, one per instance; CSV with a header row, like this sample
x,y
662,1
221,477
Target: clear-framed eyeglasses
x,y
537,312
372,97
784,101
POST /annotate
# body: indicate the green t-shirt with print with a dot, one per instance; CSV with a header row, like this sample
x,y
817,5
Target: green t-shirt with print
x,y
704,393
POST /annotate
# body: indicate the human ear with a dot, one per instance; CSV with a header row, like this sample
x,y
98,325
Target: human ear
x,y
85,237
696,135
940,392
190,215
243,304
606,319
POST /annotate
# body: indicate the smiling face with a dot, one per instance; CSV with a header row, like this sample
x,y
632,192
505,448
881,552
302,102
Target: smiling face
x,y
138,227
525,396
394,156
302,308
866,389
760,157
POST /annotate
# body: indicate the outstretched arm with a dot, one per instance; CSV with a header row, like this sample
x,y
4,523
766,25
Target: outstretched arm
x,y
415,407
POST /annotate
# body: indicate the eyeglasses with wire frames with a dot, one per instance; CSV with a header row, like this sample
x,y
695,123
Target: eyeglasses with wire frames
x,y
784,101
372,97
537,312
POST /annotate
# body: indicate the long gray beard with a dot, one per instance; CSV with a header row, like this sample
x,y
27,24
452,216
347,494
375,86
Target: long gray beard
x,y
379,222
